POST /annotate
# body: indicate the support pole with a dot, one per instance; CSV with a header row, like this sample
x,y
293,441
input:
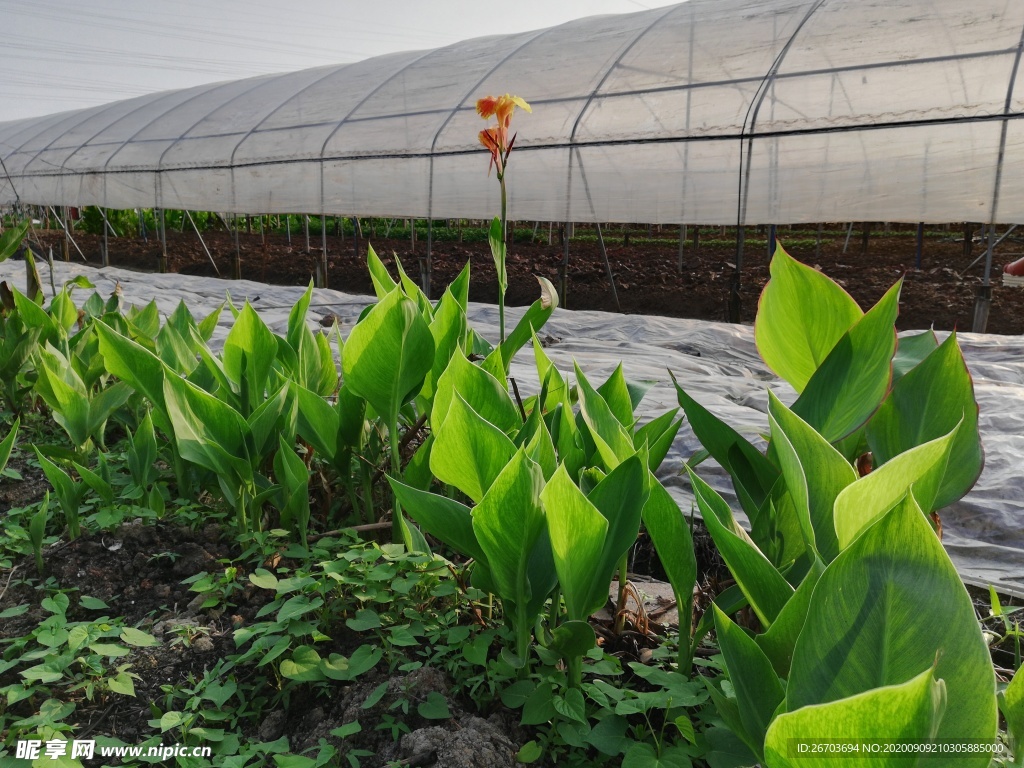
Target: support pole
x,y
201,241
865,236
427,264
305,230
734,306
983,300
237,261
920,245
849,231
104,253
608,267
682,247
65,224
817,243
162,228
323,240
772,241
563,281
288,228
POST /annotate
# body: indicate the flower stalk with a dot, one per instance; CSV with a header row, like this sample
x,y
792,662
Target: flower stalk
x,y
496,139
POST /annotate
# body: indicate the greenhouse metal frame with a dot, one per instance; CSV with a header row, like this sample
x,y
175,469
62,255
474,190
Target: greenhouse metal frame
x,y
736,112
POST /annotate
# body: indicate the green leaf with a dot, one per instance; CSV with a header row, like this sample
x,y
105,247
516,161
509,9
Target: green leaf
x,y
138,638
573,638
507,523
727,447
577,529
532,320
910,351
779,640
388,354
613,442
644,755
448,328
132,363
469,452
758,689
487,396
8,443
867,610
383,283
670,534
441,517
303,666
122,683
263,579
434,708
249,353
364,620
1012,704
815,474
530,752
171,720
10,240
764,587
801,316
925,404
909,712
850,383
865,501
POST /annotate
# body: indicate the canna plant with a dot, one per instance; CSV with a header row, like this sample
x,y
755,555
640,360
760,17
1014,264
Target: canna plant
x,y
497,141
838,553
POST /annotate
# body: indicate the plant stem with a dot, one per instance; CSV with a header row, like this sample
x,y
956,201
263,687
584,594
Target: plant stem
x,y
620,603
397,524
574,667
502,274
523,641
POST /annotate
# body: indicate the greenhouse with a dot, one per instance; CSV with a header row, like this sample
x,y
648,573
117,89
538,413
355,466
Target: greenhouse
x,y
272,523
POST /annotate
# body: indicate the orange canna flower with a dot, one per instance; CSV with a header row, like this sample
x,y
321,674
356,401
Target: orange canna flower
x,y
491,138
496,138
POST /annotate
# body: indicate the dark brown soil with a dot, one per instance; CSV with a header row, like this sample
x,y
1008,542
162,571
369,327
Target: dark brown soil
x,y
940,294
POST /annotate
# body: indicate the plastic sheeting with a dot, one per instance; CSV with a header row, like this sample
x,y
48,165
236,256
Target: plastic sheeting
x,y
716,363
707,112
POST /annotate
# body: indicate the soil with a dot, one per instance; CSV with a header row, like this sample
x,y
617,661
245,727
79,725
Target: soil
x,y
940,294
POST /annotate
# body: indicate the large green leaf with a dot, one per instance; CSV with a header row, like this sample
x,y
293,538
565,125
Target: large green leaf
x,y
865,501
815,474
249,353
388,353
764,587
779,640
8,443
317,421
209,433
615,392
441,517
658,435
925,404
533,320
383,283
507,523
10,240
851,382
578,531
801,316
907,713
758,688
910,351
1013,710
670,534
613,442
469,452
487,395
887,609
133,363
448,327
620,497
725,444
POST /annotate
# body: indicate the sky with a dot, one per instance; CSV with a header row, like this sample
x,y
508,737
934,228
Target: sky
x,y
59,55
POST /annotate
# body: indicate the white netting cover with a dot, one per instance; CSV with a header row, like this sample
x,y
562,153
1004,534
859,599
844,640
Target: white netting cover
x,y
710,111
